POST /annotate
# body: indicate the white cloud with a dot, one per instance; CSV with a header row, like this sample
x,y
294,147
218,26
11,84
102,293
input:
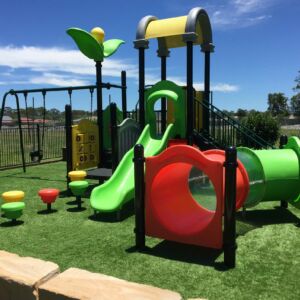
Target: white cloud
x,y
57,79
62,67
240,13
215,87
59,60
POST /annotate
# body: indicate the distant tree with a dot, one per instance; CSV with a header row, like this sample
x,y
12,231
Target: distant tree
x,y
263,124
295,104
241,113
297,80
278,104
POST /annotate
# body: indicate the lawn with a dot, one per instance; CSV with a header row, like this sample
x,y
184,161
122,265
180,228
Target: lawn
x,y
268,255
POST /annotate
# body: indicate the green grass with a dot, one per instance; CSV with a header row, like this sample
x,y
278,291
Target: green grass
x,y
268,255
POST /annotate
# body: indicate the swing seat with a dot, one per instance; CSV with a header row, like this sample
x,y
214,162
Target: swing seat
x,y
36,155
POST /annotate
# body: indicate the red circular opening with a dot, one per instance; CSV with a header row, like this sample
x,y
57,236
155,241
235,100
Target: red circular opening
x,y
175,207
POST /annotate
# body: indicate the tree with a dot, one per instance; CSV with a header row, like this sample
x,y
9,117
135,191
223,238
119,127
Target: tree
x,y
263,124
241,113
295,104
278,104
297,80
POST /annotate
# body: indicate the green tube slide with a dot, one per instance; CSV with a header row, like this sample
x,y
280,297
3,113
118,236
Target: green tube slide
x,y
273,174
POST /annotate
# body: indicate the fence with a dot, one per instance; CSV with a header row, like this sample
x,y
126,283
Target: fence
x,y
50,138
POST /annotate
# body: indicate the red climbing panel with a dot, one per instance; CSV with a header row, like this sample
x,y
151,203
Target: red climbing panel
x,y
171,211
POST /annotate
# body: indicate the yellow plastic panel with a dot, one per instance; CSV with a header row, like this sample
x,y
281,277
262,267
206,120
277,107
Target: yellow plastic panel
x,y
85,145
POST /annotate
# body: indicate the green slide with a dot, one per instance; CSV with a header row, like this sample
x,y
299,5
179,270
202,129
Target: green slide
x,y
119,189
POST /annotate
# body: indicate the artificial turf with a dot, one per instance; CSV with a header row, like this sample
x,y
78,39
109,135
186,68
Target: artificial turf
x,y
268,255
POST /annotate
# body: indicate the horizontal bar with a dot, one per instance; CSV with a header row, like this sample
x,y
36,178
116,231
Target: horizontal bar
x,y
72,88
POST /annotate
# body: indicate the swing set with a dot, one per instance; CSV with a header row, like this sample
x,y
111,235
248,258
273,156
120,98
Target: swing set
x,y
36,153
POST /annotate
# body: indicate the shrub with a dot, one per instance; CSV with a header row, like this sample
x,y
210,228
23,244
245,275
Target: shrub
x,y
264,125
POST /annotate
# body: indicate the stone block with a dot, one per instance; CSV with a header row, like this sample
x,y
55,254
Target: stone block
x,y
75,284
21,276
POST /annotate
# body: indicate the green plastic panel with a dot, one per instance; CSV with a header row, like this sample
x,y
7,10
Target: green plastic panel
x,y
169,90
111,46
87,44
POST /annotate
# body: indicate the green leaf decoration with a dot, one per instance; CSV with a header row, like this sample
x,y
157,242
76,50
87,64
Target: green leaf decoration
x,y
111,46
86,43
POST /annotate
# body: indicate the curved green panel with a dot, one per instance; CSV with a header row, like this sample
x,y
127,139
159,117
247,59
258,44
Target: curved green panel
x,y
86,43
106,126
256,175
111,46
170,90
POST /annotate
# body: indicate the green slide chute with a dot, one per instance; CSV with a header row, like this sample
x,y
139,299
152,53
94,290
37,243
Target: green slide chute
x,y
119,189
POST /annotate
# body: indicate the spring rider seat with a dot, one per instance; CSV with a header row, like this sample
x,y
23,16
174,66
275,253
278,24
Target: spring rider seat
x,y
48,196
13,206
78,189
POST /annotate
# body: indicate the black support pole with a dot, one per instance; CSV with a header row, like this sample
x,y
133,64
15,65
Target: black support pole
x,y
124,94
205,112
142,87
283,141
229,238
139,199
38,133
190,96
99,111
163,61
20,132
114,135
68,130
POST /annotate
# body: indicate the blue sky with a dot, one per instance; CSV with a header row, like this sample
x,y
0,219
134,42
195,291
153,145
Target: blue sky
x,y
257,47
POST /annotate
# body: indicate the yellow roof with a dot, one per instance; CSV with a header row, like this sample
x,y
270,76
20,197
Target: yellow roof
x,y
174,32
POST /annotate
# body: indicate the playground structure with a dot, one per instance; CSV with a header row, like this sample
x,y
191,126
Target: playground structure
x,y
182,185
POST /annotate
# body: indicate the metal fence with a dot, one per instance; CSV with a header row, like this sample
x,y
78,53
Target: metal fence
x,y
50,140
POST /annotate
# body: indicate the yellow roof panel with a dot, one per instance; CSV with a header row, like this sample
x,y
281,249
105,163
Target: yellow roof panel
x,y
172,31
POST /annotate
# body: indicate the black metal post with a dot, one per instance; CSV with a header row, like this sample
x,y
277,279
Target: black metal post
x,y
142,87
190,96
163,61
78,200
20,132
114,135
205,112
38,142
139,199
99,111
229,238
48,207
3,108
124,94
68,130
283,141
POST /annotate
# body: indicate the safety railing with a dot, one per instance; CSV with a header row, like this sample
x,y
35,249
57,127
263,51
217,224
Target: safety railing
x,y
225,130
